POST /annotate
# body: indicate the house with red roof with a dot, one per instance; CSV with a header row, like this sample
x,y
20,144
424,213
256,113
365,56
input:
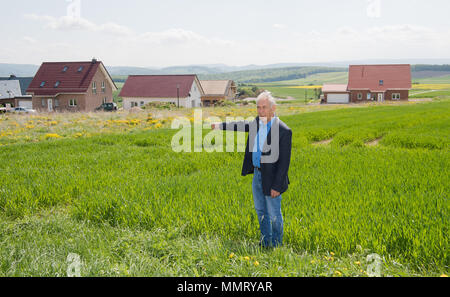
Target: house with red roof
x,y
368,83
181,90
71,87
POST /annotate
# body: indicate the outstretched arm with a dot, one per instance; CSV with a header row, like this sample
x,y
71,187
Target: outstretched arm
x,y
242,126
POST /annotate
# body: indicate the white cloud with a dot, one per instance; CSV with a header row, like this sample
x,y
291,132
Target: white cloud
x,y
279,26
180,36
177,46
68,23
29,40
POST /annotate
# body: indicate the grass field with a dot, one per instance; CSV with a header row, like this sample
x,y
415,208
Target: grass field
x,y
128,205
433,80
314,79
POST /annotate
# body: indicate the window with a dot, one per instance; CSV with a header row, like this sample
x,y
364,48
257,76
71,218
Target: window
x,y
396,96
94,88
65,68
103,87
42,84
360,96
105,100
73,102
142,103
56,102
80,69
381,82
369,96
57,84
43,102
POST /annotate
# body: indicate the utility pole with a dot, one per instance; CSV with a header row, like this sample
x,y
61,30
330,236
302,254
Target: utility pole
x,y
178,94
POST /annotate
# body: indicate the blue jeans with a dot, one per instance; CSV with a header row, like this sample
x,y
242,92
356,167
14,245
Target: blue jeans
x,y
269,214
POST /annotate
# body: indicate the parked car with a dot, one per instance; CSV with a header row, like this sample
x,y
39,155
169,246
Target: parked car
x,y
110,106
22,110
3,110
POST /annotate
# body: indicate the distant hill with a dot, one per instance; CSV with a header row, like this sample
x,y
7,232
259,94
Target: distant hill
x,y
18,69
271,75
302,73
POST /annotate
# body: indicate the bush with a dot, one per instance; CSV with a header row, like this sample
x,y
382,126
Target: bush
x,y
160,105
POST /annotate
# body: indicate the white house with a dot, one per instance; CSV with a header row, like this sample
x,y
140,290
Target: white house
x,y
182,90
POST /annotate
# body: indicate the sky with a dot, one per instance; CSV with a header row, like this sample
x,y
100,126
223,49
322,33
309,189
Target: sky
x,y
162,33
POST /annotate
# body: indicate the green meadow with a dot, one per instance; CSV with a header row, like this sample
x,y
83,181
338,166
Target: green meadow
x,y
364,180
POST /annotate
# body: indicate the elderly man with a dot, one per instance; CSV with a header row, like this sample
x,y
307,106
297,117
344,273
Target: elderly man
x,y
269,159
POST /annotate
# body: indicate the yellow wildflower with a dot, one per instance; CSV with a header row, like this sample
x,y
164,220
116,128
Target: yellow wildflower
x,y
48,136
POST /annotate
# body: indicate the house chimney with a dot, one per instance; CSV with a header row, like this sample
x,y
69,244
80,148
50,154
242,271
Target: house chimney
x,y
12,76
94,60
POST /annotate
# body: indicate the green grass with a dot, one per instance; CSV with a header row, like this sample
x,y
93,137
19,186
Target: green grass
x,y
314,79
39,245
431,94
129,205
433,80
285,92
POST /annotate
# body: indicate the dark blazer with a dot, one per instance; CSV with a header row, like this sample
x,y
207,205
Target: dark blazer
x,y
274,173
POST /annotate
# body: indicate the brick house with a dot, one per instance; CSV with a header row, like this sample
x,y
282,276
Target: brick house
x,y
218,91
368,83
139,90
71,87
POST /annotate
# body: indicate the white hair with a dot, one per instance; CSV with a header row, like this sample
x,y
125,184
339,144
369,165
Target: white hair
x,y
266,95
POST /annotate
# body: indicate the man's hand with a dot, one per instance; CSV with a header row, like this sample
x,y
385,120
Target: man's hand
x,y
275,194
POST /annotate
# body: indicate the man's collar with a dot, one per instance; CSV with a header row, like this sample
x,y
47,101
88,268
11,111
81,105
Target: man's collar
x,y
271,121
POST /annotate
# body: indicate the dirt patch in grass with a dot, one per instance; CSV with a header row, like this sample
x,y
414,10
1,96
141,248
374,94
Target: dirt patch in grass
x,y
323,142
374,142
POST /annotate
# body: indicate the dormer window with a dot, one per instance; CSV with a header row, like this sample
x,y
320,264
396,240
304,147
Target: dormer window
x,y
65,68
80,69
42,84
381,82
57,84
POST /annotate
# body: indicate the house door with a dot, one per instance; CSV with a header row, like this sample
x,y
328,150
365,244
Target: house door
x,y
380,97
50,105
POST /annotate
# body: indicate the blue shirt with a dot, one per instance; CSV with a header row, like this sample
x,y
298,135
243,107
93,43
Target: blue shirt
x,y
260,139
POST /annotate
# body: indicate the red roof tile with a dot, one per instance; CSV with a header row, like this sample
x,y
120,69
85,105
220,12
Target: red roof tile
x,y
71,80
157,86
327,88
369,77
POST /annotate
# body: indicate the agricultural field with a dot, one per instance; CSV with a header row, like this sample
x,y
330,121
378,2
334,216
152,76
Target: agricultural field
x,y
430,90
315,79
365,179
